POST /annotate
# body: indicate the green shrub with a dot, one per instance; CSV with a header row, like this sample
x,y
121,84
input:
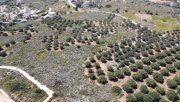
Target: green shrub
x,y
177,65
97,65
160,90
152,58
92,59
148,69
161,63
100,72
116,90
133,68
171,84
132,83
158,77
119,74
88,65
164,72
112,76
127,88
126,71
131,98
137,77
171,68
92,76
139,96
146,61
150,83
155,66
177,56
172,95
177,79
168,60
108,6
163,100
110,69
144,89
102,79
147,98
155,95
139,65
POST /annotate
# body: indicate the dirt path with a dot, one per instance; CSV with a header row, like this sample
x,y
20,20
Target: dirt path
x,y
33,80
4,97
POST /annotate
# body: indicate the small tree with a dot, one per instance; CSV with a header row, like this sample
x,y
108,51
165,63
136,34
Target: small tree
x,y
92,76
132,83
171,68
100,72
97,65
110,69
133,68
92,59
112,76
102,79
160,90
127,88
88,64
177,65
155,66
139,65
148,69
161,63
158,77
146,61
116,90
152,58
172,95
126,71
151,83
147,98
119,74
164,72
177,79
144,89
131,98
171,84
155,95
139,96
137,77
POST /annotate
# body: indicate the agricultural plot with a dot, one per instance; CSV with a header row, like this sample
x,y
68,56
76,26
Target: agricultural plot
x,y
143,66
11,35
87,33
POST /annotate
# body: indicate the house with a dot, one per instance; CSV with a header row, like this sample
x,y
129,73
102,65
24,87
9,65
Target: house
x,y
50,14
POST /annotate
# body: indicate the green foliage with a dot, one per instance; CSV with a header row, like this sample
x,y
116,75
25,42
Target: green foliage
x,y
144,89
116,90
119,74
151,83
126,71
131,98
92,76
155,95
102,79
171,68
139,65
164,72
177,79
132,83
147,98
127,88
139,96
158,77
160,90
148,69
155,66
146,61
112,76
110,69
137,77
133,68
177,65
171,84
163,100
172,95
108,6
100,72
88,65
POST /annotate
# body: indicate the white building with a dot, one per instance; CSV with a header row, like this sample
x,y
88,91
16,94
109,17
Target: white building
x,y
50,14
